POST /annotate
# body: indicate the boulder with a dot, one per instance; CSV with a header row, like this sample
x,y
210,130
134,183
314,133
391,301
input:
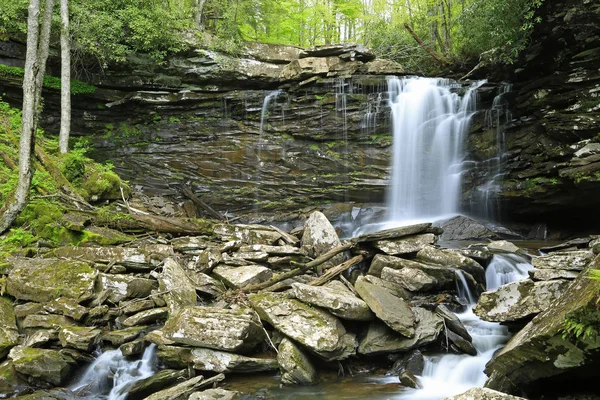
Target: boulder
x,y
305,68
185,389
240,277
251,256
46,321
123,287
387,306
147,317
517,300
11,382
134,348
135,306
229,330
247,234
382,340
178,291
319,236
220,361
408,379
40,337
79,337
412,279
9,334
143,388
295,366
410,244
483,394
452,258
464,228
546,348
459,344
67,307
208,259
443,277
190,244
206,284
143,258
45,281
49,366
118,337
413,362
334,297
551,274
503,245
215,394
315,329
452,322
568,260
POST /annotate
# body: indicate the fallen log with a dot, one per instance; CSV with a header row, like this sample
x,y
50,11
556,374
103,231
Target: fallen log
x,y
335,271
199,203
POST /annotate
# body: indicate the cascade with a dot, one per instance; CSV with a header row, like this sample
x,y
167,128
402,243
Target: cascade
x,y
429,122
111,374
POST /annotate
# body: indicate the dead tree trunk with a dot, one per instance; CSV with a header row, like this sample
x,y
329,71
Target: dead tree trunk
x,y
65,79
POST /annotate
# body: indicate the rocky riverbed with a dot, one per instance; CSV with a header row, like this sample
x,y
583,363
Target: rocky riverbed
x,y
243,299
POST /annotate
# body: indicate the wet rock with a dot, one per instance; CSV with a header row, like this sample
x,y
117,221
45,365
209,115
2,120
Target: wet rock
x,y
334,297
46,321
178,291
145,387
319,236
464,228
413,362
570,260
388,307
147,317
48,366
220,329
313,328
45,281
79,337
10,381
452,258
408,379
410,244
503,245
295,366
124,287
133,348
517,300
243,276
551,274
542,350
452,322
483,394
118,337
412,279
9,334
460,344
143,258
248,234
215,394
185,389
67,307
381,340
220,361
135,306
206,284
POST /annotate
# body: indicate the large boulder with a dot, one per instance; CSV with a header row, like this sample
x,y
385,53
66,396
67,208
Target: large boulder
x,y
319,235
380,339
464,228
567,260
483,394
49,366
387,306
334,297
79,337
44,280
143,258
178,291
548,347
220,329
315,329
518,300
410,244
295,366
123,287
451,258
9,334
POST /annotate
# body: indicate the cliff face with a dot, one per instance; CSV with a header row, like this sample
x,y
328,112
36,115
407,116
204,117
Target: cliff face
x,y
550,164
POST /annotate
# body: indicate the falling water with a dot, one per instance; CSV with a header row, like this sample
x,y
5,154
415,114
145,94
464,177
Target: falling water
x,y
429,122
450,374
111,374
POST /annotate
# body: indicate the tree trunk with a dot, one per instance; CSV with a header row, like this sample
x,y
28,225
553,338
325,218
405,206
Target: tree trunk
x,y
35,66
198,13
65,79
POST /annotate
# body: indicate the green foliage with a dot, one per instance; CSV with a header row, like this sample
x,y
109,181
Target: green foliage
x,y
584,324
77,87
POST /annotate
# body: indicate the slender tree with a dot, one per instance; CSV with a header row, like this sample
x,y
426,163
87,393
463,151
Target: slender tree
x,y
38,41
65,76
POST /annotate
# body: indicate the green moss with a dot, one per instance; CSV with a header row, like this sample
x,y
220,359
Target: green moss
x,y
77,87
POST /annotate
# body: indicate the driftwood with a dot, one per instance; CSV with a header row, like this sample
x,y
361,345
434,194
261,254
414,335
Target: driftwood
x,y
428,49
335,271
199,203
289,239
394,233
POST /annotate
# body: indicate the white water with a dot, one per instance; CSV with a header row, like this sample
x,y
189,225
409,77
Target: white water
x,y
451,374
111,374
429,123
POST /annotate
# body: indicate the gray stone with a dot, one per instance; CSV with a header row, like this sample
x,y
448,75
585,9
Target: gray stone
x,y
67,307
146,317
143,388
185,389
412,279
189,244
589,149
452,258
220,361
46,321
315,329
118,337
334,297
46,365
464,228
551,274
388,307
382,340
569,260
79,337
240,277
410,244
247,234
178,291
319,236
271,250
143,258
11,383
9,334
413,362
460,344
394,288
124,287
517,300
503,245
45,281
408,379
452,322
133,348
393,233
215,394
483,394
135,306
295,366
252,256
206,284
208,259
40,337
433,276
220,329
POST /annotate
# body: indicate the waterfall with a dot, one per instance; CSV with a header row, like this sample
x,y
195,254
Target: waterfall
x,y
111,374
430,121
450,374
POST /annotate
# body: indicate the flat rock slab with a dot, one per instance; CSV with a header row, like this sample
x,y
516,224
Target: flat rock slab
x,y
295,366
335,298
315,329
45,281
517,300
420,279
389,308
179,292
248,234
393,233
483,394
220,361
568,260
407,245
464,228
124,287
240,277
143,388
380,339
220,329
118,337
185,389
551,274
271,250
147,317
450,258
79,337
143,258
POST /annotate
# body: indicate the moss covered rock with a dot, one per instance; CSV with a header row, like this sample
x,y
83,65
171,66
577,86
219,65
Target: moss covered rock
x,y
9,335
46,365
